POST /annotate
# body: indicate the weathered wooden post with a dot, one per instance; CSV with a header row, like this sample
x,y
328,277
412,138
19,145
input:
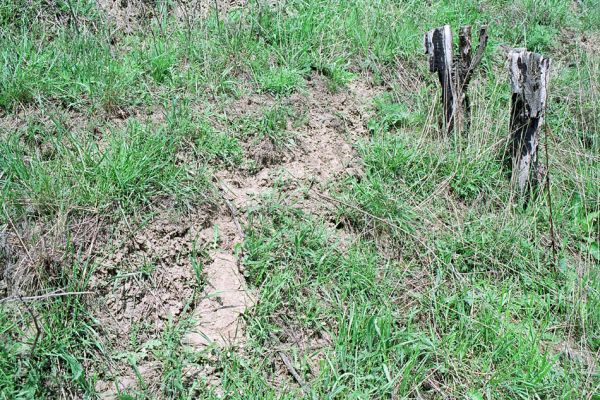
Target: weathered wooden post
x,y
454,74
438,46
528,81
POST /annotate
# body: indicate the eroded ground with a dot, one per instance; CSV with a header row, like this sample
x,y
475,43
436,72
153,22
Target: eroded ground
x,y
191,264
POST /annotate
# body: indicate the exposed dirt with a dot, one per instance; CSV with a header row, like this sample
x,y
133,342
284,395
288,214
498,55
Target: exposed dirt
x,y
590,43
156,275
150,278
579,353
266,153
33,121
224,300
195,9
322,150
127,15
122,13
174,267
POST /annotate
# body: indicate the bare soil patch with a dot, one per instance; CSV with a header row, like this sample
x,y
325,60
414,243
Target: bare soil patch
x,y
224,300
126,15
174,267
153,276
162,273
322,152
149,278
323,145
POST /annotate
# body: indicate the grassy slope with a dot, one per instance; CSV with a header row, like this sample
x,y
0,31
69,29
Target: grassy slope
x,y
457,294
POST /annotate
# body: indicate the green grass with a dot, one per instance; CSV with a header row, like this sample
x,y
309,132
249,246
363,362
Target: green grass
x,y
280,81
129,168
437,281
271,122
48,357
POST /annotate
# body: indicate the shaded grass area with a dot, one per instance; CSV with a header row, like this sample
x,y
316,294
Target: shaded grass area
x,y
452,290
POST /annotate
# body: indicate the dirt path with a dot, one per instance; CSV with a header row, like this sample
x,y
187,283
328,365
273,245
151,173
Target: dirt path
x,y
146,301
323,152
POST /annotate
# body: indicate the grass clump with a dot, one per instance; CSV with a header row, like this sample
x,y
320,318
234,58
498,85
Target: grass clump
x,y
130,168
44,350
281,81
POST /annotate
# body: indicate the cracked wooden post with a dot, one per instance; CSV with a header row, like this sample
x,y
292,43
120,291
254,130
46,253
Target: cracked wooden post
x,y
438,45
528,81
454,74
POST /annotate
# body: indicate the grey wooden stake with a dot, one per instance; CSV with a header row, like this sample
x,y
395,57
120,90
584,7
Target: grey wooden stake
x,y
454,74
438,46
528,81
